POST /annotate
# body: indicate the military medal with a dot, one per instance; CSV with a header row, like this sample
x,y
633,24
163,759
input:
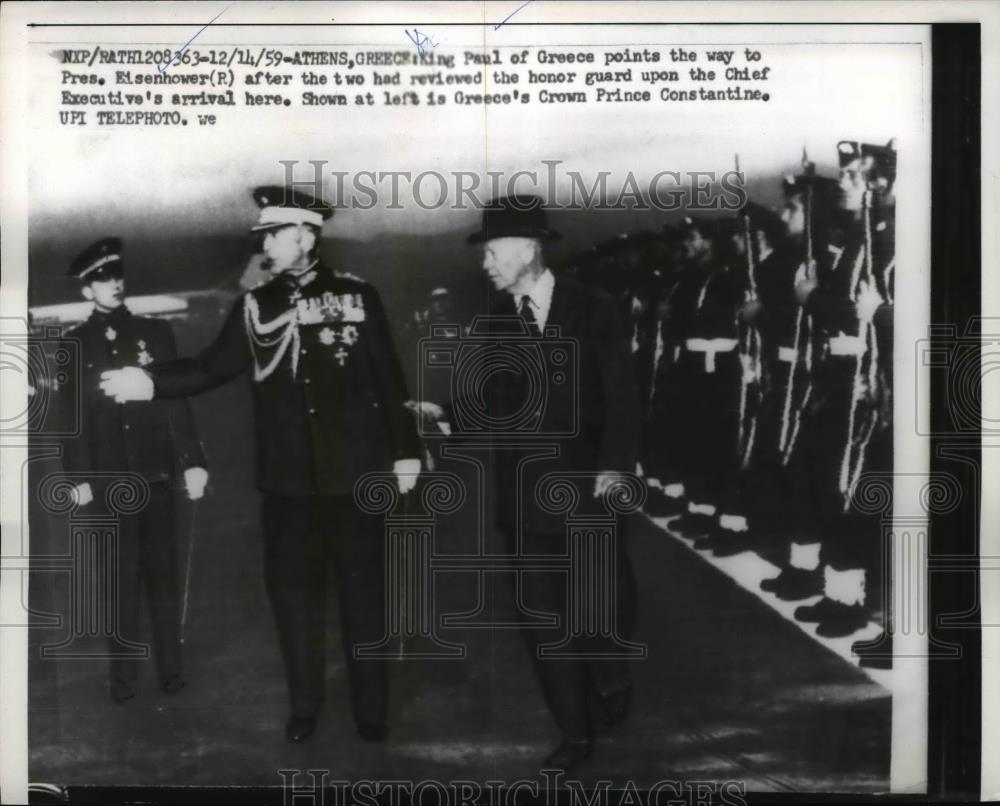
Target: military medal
x,y
144,356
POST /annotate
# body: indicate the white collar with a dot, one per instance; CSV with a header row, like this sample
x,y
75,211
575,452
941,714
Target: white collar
x,y
541,293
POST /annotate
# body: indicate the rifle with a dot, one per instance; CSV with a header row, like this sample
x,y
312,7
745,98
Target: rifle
x,y
865,369
750,351
802,339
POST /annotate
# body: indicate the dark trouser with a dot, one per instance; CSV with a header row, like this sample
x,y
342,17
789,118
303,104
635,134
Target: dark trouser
x,y
567,680
774,492
708,424
147,558
849,539
301,537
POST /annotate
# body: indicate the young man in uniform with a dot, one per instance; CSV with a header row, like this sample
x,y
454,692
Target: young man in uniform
x,y
153,440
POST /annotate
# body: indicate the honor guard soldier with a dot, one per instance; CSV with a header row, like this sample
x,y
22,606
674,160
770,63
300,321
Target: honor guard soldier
x,y
329,398
709,373
842,293
759,253
153,440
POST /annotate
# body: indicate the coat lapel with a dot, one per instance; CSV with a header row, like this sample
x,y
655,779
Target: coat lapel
x,y
562,312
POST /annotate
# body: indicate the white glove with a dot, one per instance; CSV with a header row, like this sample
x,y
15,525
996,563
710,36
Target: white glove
x,y
195,479
406,471
868,302
82,494
127,384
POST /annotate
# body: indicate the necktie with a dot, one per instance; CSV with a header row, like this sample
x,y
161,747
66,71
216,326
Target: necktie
x,y
529,316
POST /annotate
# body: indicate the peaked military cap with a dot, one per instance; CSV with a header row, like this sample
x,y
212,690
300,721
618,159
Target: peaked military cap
x,y
517,216
878,163
281,206
99,261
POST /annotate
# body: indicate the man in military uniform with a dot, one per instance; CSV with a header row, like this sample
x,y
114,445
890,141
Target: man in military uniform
x,y
152,440
756,255
709,372
329,398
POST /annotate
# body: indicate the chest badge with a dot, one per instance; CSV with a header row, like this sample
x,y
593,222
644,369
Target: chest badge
x,y
110,333
144,357
327,337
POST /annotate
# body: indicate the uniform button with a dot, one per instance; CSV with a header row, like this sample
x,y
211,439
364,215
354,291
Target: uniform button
x,y
302,351
114,352
312,411
128,427
308,381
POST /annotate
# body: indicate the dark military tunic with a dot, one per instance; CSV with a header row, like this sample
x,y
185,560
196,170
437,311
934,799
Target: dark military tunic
x,y
150,439
328,387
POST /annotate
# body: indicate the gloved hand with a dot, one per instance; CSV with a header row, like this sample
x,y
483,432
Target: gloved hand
x,y
127,384
195,479
407,471
82,494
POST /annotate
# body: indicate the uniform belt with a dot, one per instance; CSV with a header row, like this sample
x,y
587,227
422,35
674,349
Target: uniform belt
x,y
788,355
847,345
710,347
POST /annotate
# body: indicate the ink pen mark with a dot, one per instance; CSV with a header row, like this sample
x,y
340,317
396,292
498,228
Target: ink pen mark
x,y
526,2
420,40
162,68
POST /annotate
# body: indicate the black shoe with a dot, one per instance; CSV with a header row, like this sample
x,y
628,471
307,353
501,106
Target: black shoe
x,y
704,543
616,706
659,505
876,653
373,732
727,543
692,525
300,728
568,754
842,620
794,583
815,613
173,684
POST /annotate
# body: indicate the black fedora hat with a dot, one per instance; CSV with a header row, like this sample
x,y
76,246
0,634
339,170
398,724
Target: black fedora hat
x,y
518,216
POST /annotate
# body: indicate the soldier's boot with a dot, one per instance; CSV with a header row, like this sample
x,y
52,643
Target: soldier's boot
x,y
802,577
732,537
846,589
665,500
696,522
